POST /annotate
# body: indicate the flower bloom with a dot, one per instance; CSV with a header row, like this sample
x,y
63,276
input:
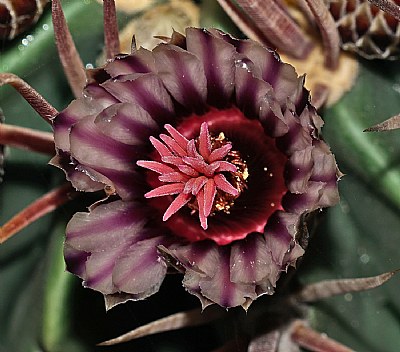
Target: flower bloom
x,y
209,152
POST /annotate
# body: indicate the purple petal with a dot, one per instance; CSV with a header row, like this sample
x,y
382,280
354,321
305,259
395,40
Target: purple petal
x,y
99,269
183,75
127,123
147,91
218,59
106,226
140,270
99,243
82,180
281,76
141,61
95,100
207,274
250,91
75,260
297,137
250,260
220,289
298,170
113,159
280,235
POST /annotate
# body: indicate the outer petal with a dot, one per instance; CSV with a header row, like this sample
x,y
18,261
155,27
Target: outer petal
x,y
95,100
214,282
250,91
250,260
281,76
107,226
145,90
107,156
218,60
127,123
140,271
86,179
280,236
99,248
183,75
141,61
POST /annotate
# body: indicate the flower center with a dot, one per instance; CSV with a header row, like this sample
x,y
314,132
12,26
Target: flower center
x,y
204,172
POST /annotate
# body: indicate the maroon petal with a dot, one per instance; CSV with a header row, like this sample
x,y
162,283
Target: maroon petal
x,y
183,75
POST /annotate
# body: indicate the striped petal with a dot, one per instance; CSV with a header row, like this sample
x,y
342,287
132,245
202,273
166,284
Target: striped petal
x,y
146,90
106,226
141,62
183,75
218,60
139,270
95,100
127,123
99,244
111,158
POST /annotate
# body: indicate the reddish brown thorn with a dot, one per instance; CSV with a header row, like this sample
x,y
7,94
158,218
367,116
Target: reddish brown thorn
x,y
176,321
42,107
111,38
267,22
329,288
69,57
26,138
388,6
329,32
390,124
306,337
40,207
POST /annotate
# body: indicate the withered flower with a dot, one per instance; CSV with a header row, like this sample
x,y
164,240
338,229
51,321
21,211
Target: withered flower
x,y
210,152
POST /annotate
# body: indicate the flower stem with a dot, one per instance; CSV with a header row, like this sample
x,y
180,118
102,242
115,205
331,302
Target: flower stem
x,y
40,207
